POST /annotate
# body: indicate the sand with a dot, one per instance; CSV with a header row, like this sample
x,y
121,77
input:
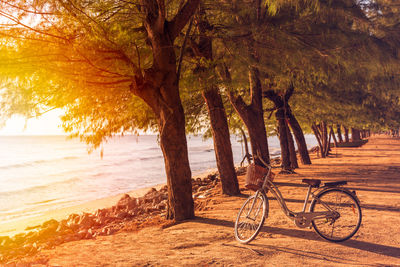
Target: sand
x,y
18,226
208,240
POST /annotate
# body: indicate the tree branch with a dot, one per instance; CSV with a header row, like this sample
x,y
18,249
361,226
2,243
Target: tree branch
x,y
182,17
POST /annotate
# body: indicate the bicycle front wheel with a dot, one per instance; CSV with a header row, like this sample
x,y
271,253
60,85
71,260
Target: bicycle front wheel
x,y
347,214
251,217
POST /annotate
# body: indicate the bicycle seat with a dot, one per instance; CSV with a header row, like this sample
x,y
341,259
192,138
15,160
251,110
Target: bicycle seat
x,y
312,182
336,183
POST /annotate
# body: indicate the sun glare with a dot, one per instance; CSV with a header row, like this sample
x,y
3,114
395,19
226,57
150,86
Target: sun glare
x,y
47,124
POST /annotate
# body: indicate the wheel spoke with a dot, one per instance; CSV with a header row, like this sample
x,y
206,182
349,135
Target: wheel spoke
x,y
250,218
348,219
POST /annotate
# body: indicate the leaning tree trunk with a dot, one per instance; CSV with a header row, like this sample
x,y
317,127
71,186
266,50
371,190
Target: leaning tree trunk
x,y
299,136
333,136
318,136
285,118
293,155
219,125
247,154
222,142
252,115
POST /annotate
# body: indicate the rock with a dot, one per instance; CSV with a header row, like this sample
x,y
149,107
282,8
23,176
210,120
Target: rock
x,y
82,234
123,215
212,177
86,221
161,206
73,218
32,237
202,188
151,191
49,223
62,226
5,241
101,213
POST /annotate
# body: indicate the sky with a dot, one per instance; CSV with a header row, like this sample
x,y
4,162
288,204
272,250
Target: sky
x,y
48,124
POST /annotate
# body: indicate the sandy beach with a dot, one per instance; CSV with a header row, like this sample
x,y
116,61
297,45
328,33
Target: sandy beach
x,y
17,226
208,240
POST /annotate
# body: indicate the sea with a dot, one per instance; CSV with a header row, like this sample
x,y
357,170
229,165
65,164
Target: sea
x,y
43,173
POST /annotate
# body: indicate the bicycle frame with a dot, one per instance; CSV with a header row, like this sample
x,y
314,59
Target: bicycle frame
x,y
302,219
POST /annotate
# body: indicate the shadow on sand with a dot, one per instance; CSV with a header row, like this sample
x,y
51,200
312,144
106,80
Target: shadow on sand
x,y
308,235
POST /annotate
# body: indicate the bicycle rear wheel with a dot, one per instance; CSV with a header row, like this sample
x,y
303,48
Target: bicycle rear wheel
x,y
347,219
251,217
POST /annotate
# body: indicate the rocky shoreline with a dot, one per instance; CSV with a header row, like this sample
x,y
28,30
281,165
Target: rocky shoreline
x,y
127,215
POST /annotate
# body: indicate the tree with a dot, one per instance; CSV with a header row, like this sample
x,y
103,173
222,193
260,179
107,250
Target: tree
x,y
100,54
202,50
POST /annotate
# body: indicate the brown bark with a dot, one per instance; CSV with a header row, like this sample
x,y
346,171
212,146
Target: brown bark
x,y
292,150
252,114
247,154
285,118
323,138
299,136
158,86
216,111
222,142
283,140
318,136
346,135
339,133
355,135
332,133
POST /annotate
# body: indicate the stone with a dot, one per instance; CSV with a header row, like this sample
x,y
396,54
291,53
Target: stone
x,y
32,236
122,215
86,221
161,206
82,234
50,223
4,241
73,218
202,188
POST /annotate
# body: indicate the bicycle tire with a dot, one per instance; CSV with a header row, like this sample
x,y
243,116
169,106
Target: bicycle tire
x,y
248,226
349,212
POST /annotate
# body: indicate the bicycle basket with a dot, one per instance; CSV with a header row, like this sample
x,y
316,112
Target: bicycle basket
x,y
255,176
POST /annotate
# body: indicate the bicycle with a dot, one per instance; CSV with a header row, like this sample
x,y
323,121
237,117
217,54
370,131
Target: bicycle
x,y
334,212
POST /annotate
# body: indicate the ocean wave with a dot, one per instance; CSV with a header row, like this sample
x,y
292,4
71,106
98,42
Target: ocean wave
x,y
35,162
32,189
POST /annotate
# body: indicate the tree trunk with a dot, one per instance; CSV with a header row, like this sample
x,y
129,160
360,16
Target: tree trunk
x,y
346,135
222,142
247,154
283,140
252,115
355,135
333,136
174,147
318,136
325,138
158,86
293,156
300,140
339,133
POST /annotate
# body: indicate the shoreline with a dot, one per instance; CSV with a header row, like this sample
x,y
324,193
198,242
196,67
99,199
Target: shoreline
x,y
20,225
17,226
